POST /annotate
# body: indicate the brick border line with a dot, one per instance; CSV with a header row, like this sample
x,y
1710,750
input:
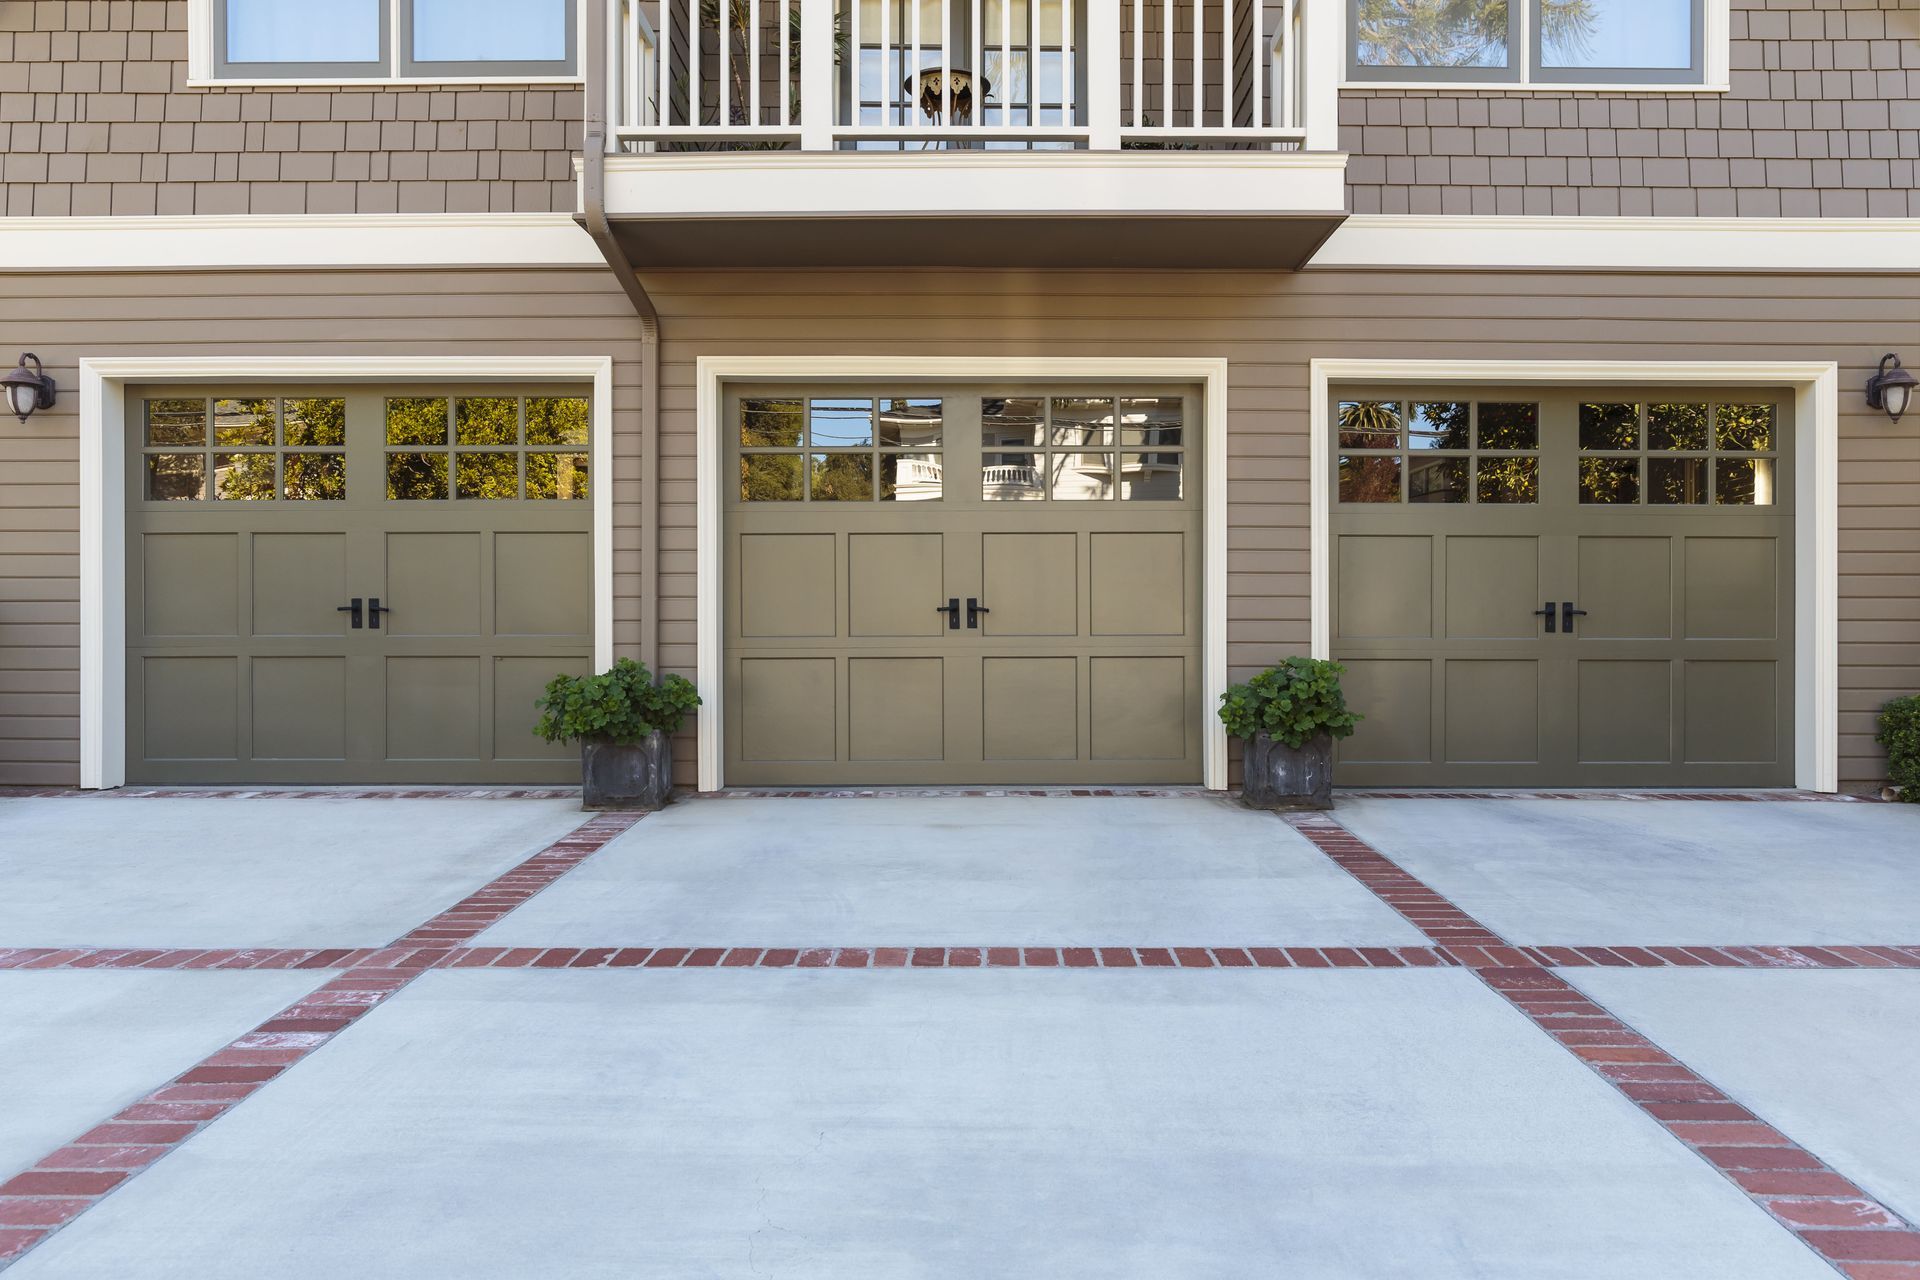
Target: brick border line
x,y
1783,796
885,793
1831,1214
291,793
437,953
68,1181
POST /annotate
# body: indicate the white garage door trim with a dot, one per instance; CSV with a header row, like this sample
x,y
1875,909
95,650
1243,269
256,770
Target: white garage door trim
x,y
103,441
1816,389
714,372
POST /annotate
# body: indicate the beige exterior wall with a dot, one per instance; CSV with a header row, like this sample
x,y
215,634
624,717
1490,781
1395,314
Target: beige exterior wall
x,y
96,118
1268,327
1822,120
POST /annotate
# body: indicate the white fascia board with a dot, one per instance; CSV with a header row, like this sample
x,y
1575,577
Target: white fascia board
x,y
295,240
1622,244
1019,183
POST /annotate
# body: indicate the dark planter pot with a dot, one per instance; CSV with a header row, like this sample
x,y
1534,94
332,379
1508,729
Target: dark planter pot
x,y
1278,776
618,777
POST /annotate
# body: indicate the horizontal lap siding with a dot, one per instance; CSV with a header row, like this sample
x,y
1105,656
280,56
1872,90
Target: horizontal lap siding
x,y
66,317
1267,326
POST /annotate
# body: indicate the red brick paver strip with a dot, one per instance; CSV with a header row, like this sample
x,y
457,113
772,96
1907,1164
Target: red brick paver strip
x,y
1854,1233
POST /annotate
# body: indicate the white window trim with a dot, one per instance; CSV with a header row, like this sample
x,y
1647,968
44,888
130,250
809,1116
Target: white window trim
x,y
201,62
1716,75
1816,522
103,503
713,373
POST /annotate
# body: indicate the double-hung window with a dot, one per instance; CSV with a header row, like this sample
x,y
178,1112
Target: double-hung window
x,y
392,39
1624,43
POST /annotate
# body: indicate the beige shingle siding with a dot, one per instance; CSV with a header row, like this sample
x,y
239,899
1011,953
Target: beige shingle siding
x,y
96,118
1822,120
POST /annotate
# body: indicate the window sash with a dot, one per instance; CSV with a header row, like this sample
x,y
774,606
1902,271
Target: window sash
x,y
1524,65
396,60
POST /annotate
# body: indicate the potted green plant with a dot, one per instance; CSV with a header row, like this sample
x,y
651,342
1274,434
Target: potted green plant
x,y
624,722
1900,734
1287,717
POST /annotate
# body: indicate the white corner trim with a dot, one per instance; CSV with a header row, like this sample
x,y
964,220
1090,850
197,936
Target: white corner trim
x,y
103,440
1622,244
240,241
1816,524
714,372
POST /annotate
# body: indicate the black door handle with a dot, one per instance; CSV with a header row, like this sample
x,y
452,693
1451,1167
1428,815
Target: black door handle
x,y
974,610
1567,614
952,609
1546,613
374,611
353,609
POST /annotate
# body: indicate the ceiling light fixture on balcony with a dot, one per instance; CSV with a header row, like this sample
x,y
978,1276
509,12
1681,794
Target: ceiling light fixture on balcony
x,y
1890,389
959,98
30,389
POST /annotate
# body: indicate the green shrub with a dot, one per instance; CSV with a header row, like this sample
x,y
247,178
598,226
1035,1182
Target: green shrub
x,y
1900,735
623,705
1290,703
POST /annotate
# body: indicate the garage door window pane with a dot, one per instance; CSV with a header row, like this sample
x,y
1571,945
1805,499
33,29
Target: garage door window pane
x,y
486,476
1081,477
415,477
1509,426
176,477
1675,482
770,477
1743,482
1506,481
486,420
1609,426
1436,479
1018,422
1370,479
1438,426
1369,424
841,477
1078,423
1152,421
1150,477
835,424
910,477
558,476
1744,427
910,424
417,421
243,477
243,422
1011,477
310,422
557,420
1677,426
316,477
1609,481
768,423
176,422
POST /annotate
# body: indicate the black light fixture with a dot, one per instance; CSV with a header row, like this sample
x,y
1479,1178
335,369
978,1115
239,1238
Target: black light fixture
x,y
1891,388
30,389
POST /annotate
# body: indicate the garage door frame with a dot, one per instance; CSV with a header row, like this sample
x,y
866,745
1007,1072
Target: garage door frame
x,y
713,375
103,436
1816,389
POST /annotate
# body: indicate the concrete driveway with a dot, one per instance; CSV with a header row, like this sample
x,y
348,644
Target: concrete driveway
x,y
958,1037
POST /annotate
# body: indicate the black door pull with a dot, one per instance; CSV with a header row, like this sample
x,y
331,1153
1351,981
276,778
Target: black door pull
x,y
952,609
974,610
1567,614
1546,613
353,609
374,611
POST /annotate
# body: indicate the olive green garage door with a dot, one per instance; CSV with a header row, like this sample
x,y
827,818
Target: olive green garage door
x,y
1567,589
957,585
265,524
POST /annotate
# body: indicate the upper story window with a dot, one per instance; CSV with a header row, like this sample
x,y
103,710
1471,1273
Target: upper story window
x,y
392,39
1624,43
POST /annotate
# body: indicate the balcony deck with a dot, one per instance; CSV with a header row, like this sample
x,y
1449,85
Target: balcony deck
x,y
1112,133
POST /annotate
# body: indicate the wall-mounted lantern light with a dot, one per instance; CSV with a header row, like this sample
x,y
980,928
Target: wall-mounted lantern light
x,y
1891,388
30,389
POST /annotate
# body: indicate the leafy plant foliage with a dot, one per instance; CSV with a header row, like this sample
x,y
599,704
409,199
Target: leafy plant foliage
x,y
621,706
1900,735
1290,703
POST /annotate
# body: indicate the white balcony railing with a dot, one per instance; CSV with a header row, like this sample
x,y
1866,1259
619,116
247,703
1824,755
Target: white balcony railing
x,y
1100,75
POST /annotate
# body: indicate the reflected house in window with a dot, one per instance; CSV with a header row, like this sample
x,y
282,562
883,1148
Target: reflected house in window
x,y
1083,449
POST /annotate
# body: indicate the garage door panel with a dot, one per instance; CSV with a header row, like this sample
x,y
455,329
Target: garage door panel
x,y
1730,712
191,583
896,709
895,581
1626,587
1730,591
433,583
433,708
1385,586
1492,711
788,709
1139,708
191,708
299,582
1493,587
517,683
1031,708
542,584
1031,581
786,585
299,708
1394,699
1626,712
1137,584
